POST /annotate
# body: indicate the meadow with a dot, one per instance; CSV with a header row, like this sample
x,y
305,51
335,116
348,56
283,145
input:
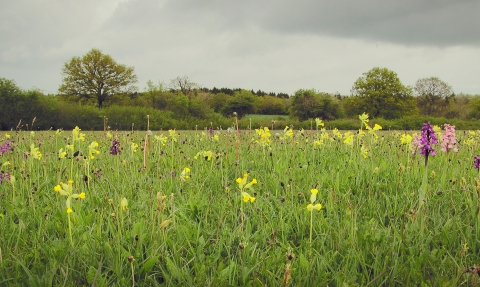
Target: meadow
x,y
288,207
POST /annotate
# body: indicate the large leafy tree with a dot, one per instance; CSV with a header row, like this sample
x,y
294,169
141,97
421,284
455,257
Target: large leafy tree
x,y
96,75
433,96
309,104
243,102
380,93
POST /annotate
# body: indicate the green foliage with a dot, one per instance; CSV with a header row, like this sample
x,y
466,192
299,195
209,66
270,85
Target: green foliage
x,y
307,104
199,232
243,102
273,106
380,93
98,76
218,102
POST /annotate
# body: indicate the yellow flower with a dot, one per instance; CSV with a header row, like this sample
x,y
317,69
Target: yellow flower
x,y
254,181
124,204
314,191
239,180
363,118
406,139
70,182
61,153
173,135
185,174
134,147
7,136
246,197
81,195
377,127
34,152
57,188
311,207
319,122
69,210
364,151
77,135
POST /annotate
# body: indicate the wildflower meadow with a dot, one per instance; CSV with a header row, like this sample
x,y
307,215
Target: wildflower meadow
x,y
241,207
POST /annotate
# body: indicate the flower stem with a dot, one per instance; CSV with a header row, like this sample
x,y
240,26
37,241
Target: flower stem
x,y
311,226
70,229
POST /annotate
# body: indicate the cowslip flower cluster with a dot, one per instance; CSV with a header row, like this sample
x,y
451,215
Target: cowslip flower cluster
x,y
406,139
364,119
134,147
313,198
173,135
287,133
206,154
124,204
185,174
115,148
243,185
62,153
263,136
161,139
364,151
92,151
67,190
348,138
6,147
77,135
448,139
319,122
372,131
34,152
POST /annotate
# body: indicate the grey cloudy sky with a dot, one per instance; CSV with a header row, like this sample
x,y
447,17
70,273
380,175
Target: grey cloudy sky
x,y
272,45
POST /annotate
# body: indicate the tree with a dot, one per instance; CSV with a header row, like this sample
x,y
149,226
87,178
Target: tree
x,y
309,104
272,105
96,75
381,94
243,102
184,85
433,96
10,96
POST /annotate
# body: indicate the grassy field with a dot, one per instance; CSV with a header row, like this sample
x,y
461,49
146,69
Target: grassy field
x,y
295,208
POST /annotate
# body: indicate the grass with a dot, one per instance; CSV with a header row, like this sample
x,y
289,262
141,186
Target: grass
x,y
194,229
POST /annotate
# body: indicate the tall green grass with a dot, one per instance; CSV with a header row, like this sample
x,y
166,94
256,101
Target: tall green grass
x,y
197,231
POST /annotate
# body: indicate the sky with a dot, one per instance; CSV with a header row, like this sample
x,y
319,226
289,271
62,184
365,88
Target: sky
x,y
276,46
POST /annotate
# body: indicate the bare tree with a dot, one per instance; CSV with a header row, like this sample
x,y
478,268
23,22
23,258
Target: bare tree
x,y
433,96
184,85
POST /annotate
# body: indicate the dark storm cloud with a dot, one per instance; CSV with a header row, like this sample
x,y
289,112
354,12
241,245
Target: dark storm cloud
x,y
277,46
409,22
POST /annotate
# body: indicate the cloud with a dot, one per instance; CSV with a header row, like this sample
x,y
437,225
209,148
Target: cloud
x,y
275,46
410,22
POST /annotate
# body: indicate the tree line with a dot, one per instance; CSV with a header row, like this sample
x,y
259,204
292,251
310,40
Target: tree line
x,y
97,83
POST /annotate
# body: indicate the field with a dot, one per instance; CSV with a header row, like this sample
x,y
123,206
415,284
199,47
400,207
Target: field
x,y
227,208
